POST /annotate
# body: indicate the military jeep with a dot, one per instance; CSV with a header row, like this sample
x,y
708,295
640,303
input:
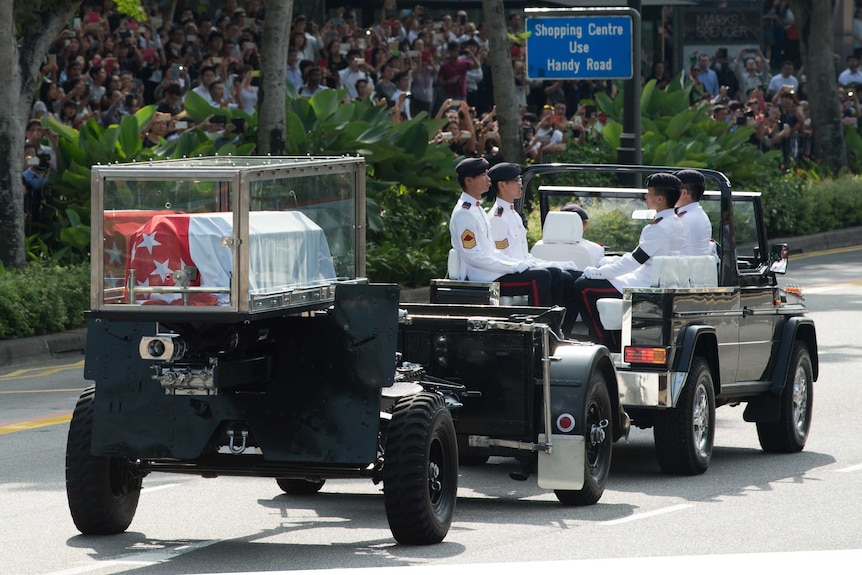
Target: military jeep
x,y
710,330
231,332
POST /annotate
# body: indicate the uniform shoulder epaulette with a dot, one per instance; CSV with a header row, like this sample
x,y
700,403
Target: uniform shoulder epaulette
x,y
466,205
658,219
498,212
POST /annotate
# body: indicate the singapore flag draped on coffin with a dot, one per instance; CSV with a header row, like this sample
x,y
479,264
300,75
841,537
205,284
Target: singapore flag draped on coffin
x,y
285,249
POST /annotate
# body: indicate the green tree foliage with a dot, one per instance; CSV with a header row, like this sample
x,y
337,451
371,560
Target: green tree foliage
x,y
676,133
43,298
405,174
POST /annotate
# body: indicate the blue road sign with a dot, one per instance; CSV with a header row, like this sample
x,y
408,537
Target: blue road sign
x,y
579,48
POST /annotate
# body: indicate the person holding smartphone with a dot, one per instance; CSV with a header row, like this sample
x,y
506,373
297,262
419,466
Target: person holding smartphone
x,y
245,94
356,70
452,76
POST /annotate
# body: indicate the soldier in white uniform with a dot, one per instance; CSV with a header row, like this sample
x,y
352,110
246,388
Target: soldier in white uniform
x,y
697,228
470,234
510,237
658,238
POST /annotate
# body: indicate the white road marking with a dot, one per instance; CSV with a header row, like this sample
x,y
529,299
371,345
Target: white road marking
x,y
638,516
851,468
159,487
740,562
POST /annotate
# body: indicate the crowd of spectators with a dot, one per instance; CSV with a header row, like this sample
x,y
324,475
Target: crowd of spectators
x,y
105,66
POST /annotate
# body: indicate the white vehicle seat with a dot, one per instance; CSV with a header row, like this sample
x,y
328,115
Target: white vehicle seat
x,y
454,269
666,272
453,265
563,240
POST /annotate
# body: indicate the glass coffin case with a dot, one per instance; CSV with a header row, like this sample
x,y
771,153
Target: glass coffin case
x,y
226,234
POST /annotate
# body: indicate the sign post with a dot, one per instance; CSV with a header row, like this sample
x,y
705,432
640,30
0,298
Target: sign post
x,y
591,44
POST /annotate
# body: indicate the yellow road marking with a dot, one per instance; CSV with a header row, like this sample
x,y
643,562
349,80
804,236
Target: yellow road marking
x,y
824,252
40,371
67,390
35,423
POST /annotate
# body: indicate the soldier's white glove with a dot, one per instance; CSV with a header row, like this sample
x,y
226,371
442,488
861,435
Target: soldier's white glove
x,y
570,266
592,273
521,266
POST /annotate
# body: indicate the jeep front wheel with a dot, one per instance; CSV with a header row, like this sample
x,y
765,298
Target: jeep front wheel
x,y
103,492
684,434
789,433
420,470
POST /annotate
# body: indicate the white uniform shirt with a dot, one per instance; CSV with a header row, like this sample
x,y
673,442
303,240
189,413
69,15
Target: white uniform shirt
x,y
597,252
508,231
470,234
697,231
658,238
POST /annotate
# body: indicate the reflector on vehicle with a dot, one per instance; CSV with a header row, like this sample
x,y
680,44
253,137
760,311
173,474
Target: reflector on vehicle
x,y
653,355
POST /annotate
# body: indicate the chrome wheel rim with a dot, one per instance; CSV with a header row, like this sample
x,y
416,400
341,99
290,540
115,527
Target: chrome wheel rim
x,y
799,408
700,420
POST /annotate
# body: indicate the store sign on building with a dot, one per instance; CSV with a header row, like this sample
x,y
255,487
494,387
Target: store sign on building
x,y
722,27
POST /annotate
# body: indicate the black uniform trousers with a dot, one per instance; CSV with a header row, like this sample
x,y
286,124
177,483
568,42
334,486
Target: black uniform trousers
x,y
548,286
587,293
536,284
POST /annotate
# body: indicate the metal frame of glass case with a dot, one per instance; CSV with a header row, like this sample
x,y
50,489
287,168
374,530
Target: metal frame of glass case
x,y
296,199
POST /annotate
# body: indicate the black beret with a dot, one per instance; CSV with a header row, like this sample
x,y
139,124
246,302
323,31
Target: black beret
x,y
663,180
577,209
691,177
504,172
471,167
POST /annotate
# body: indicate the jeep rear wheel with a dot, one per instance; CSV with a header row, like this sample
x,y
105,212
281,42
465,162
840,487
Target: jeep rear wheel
x,y
103,492
790,432
599,444
420,470
300,486
684,435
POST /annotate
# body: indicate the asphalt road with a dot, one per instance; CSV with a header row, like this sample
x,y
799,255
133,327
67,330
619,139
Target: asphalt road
x,y
750,511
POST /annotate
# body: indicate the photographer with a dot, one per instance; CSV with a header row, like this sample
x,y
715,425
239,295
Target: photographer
x,y
547,140
35,179
402,96
848,100
356,70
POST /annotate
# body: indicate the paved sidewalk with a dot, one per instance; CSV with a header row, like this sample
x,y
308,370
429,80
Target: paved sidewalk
x,y
34,349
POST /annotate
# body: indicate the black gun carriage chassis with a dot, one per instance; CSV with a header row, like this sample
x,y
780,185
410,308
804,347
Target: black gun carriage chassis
x,y
260,351
231,332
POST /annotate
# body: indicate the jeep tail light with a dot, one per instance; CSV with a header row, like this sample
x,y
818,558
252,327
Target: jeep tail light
x,y
651,355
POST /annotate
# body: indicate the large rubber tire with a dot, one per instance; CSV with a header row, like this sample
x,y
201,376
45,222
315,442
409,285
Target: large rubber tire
x,y
598,419
103,492
420,470
684,435
300,486
790,432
